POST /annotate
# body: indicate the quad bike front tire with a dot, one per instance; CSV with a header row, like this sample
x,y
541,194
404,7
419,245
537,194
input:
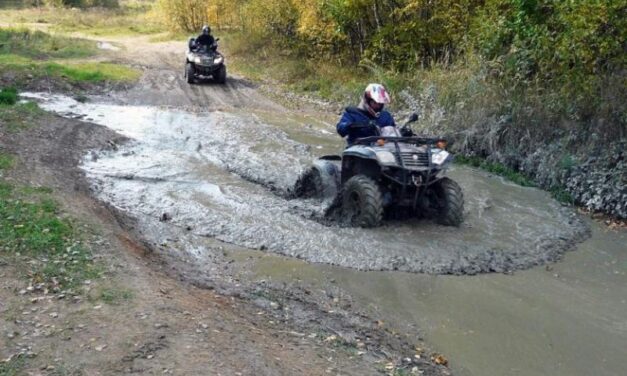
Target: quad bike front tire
x,y
220,75
189,73
309,184
449,202
362,204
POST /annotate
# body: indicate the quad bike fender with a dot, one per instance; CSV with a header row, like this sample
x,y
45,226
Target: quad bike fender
x,y
189,58
360,151
330,173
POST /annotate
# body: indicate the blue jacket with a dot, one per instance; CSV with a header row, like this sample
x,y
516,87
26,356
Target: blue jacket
x,y
353,115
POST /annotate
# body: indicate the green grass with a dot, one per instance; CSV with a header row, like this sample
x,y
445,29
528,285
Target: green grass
x,y
128,19
39,45
31,227
567,162
6,161
558,193
115,296
259,60
19,116
72,71
8,96
92,72
497,169
561,195
27,55
13,367
111,30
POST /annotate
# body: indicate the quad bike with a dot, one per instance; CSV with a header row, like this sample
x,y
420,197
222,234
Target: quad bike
x,y
394,173
204,62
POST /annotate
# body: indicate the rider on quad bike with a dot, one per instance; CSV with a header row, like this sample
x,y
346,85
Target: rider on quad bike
x,y
203,59
384,171
205,39
370,110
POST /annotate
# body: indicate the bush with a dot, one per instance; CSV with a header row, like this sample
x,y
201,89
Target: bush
x,y
184,15
568,47
8,96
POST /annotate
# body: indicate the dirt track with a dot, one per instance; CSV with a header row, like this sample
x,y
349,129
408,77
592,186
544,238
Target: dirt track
x,y
163,83
171,326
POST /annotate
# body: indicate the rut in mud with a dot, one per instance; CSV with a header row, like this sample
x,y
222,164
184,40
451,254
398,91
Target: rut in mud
x,y
224,174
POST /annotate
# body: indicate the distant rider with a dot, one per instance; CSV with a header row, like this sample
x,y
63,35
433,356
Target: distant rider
x,y
205,40
368,118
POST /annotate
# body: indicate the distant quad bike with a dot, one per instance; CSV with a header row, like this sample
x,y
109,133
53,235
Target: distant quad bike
x,y
203,62
393,174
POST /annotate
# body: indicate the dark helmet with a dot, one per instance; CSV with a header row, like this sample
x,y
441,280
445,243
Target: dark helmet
x,y
206,30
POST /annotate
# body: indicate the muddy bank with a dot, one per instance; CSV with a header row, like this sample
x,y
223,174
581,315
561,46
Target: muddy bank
x,y
595,175
575,160
326,314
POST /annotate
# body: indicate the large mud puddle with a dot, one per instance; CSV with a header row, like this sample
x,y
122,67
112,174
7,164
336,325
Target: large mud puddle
x,y
226,175
568,319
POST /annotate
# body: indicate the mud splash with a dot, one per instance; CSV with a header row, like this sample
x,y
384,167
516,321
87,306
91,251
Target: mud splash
x,y
217,174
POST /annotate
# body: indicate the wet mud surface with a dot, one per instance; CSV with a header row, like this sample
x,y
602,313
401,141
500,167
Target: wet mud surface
x,y
227,175
169,326
564,319
214,167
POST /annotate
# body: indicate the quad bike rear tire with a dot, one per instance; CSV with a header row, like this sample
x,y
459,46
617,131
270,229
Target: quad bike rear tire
x,y
362,204
220,75
309,184
189,73
449,202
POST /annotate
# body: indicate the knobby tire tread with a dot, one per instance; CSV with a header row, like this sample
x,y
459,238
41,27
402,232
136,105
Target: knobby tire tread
x,y
453,212
372,208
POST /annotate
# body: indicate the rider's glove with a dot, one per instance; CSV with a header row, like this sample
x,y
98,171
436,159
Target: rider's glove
x,y
406,132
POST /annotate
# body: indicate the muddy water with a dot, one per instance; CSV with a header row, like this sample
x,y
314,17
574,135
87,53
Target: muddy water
x,y
569,319
225,175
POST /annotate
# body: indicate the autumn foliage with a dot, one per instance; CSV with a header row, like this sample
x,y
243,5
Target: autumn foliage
x,y
570,48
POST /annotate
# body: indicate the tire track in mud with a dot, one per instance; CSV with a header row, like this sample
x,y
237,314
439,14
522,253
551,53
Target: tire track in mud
x,y
163,84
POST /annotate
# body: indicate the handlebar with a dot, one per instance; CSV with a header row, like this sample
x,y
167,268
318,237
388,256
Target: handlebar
x,y
408,140
362,125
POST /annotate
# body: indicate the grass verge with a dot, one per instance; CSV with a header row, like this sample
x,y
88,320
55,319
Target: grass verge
x,y
258,60
128,19
22,69
497,169
13,367
18,116
26,55
558,193
8,96
45,246
39,45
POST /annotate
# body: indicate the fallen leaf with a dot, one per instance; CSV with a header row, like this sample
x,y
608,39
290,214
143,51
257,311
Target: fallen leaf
x,y
439,359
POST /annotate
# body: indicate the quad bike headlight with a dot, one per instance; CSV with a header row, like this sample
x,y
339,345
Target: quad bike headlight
x,y
218,60
386,158
197,60
438,156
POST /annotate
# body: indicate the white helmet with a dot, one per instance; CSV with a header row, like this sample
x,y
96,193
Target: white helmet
x,y
377,93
